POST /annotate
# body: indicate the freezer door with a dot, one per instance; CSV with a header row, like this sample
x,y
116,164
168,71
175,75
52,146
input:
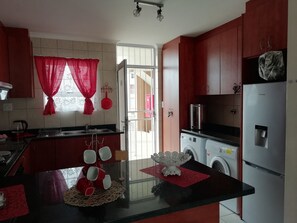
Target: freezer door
x,y
267,204
264,107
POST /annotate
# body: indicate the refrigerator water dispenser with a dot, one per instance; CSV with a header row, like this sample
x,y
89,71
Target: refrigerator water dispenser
x,y
261,136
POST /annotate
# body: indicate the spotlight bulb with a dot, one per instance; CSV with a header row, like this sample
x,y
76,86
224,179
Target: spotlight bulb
x,y
160,17
136,12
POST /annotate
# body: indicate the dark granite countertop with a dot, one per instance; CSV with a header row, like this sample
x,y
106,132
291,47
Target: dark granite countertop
x,y
139,200
18,146
218,136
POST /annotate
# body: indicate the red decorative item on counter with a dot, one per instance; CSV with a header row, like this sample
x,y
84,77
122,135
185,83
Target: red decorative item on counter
x,y
104,183
85,186
187,178
16,204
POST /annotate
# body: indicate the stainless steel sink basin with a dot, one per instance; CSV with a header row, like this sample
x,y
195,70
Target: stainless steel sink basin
x,y
89,131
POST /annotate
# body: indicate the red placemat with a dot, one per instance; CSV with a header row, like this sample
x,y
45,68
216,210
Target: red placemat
x,y
16,204
187,178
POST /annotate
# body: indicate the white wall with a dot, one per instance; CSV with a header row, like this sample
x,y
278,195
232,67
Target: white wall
x,y
31,109
291,131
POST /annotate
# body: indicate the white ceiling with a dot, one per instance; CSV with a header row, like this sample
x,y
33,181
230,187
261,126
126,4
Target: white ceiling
x,y
112,21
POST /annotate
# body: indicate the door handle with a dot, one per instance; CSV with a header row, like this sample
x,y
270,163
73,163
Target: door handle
x,y
170,113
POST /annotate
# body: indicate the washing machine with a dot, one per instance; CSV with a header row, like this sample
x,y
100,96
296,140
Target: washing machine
x,y
223,158
193,145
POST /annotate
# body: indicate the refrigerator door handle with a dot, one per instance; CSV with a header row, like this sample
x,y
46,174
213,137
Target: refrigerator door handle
x,y
264,169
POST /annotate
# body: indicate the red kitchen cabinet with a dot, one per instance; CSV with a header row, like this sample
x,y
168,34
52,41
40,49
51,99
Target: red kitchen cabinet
x,y
230,59
178,89
4,75
20,61
265,26
69,151
43,155
208,64
218,59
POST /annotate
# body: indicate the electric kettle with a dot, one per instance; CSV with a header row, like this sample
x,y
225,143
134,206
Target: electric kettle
x,y
19,126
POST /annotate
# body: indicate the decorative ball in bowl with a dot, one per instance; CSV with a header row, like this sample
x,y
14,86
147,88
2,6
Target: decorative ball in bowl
x,y
171,161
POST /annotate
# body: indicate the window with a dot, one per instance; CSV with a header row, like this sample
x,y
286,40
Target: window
x,y
52,71
69,97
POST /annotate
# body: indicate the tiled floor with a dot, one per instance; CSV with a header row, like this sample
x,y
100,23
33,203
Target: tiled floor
x,y
227,216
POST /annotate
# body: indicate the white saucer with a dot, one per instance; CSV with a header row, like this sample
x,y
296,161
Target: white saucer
x,y
5,153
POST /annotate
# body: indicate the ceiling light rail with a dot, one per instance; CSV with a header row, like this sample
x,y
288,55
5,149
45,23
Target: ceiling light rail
x,y
136,12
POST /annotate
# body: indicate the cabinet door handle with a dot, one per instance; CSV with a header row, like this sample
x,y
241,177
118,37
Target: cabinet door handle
x,y
170,113
269,47
262,48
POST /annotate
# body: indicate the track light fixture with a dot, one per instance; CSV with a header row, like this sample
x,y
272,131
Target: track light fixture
x,y
136,12
160,17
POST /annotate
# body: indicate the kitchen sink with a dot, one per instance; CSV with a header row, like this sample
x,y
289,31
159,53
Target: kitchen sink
x,y
58,132
89,131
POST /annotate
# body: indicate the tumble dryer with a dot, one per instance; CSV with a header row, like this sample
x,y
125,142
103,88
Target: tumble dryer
x,y
223,158
194,145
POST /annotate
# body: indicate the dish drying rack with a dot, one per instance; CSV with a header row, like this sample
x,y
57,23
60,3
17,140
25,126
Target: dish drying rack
x,y
95,143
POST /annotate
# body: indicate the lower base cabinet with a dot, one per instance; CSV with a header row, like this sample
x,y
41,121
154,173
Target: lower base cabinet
x,y
43,154
58,153
206,213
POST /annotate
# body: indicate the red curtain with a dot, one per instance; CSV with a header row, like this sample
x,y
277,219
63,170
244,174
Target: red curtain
x,y
50,72
84,73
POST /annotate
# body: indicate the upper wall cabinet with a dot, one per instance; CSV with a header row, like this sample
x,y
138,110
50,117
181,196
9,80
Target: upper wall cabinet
x,y
4,75
20,60
178,90
264,26
218,59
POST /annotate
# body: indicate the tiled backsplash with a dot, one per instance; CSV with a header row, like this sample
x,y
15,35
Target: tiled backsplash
x,y
31,109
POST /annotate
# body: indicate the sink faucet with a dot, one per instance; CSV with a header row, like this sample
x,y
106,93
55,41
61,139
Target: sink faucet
x,y
87,127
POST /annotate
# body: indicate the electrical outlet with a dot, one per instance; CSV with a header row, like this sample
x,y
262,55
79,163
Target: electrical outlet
x,y
7,107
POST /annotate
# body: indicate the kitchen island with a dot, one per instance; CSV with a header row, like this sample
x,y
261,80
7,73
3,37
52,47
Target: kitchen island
x,y
146,198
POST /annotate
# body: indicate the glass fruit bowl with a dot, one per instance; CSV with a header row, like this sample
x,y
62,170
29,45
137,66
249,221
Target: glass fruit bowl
x,y
171,161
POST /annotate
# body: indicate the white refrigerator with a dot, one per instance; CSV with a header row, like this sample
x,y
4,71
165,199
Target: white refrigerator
x,y
264,112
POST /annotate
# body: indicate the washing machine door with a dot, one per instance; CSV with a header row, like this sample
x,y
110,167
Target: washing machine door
x,y
190,150
220,165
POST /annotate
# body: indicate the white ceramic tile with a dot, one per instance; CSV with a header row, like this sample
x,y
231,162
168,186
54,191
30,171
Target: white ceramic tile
x,y
224,211
109,61
67,119
18,103
228,117
49,43
17,115
95,47
233,218
110,116
36,42
97,118
65,44
49,52
37,102
78,45
81,119
110,78
96,55
109,47
82,54
36,51
4,121
52,121
65,53
37,84
237,117
35,118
